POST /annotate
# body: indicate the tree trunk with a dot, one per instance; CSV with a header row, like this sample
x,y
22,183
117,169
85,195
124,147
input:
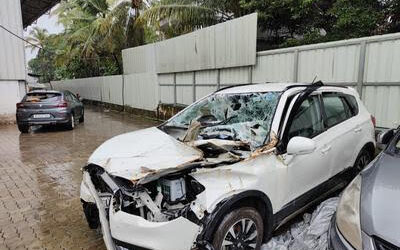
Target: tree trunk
x,y
135,32
118,64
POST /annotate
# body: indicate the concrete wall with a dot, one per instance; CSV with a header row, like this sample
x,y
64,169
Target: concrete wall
x,y
12,59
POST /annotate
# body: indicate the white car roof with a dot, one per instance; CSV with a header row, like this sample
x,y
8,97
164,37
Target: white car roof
x,y
265,87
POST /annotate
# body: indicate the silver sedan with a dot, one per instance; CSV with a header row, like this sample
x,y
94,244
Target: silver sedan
x,y
368,213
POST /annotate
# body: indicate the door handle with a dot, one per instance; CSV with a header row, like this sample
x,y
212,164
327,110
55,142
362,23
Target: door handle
x,y
326,149
358,129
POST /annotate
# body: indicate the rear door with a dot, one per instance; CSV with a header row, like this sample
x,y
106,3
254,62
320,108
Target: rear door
x,y
342,128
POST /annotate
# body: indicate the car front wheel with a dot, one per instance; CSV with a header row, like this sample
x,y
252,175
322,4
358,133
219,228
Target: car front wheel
x,y
243,228
23,128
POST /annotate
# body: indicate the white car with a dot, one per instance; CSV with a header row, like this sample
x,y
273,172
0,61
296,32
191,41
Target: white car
x,y
229,169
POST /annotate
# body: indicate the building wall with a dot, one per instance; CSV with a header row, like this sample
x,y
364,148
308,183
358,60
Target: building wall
x,y
12,59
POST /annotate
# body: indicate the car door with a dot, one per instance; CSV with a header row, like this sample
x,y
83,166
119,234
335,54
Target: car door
x,y
70,101
306,172
78,104
343,130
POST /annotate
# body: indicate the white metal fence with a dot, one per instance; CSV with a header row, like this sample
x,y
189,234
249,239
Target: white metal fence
x,y
368,64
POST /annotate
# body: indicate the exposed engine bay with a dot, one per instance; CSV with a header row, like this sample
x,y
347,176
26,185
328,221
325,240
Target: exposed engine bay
x,y
164,196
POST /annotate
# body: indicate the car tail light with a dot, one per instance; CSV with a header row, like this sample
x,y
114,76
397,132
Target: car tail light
x,y
62,105
20,105
373,119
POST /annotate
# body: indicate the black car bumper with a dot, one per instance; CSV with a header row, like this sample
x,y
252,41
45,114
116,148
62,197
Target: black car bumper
x,y
335,238
60,118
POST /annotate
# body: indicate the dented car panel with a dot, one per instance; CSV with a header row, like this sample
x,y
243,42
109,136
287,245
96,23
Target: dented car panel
x,y
138,154
184,176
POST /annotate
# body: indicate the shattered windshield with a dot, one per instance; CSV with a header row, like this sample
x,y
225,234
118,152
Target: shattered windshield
x,y
244,117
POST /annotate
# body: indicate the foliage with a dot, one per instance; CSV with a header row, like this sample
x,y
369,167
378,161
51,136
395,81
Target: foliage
x,y
97,30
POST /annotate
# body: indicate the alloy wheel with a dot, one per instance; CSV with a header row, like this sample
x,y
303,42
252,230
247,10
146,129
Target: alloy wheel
x,y
241,235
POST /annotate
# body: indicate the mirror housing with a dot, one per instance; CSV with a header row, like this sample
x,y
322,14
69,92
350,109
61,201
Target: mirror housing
x,y
300,146
79,97
384,138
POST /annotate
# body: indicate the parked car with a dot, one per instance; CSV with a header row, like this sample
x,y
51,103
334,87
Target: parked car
x,y
229,169
45,107
368,213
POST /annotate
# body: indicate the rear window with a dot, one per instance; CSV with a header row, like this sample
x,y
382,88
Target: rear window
x,y
336,109
42,97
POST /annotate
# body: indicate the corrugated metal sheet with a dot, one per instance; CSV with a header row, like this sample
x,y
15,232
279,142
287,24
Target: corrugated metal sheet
x,y
235,76
236,42
139,59
166,94
274,68
184,95
224,45
141,91
193,51
383,102
185,78
331,65
382,61
207,77
202,91
12,57
10,93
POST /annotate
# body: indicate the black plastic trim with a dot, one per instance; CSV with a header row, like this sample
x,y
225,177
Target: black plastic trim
x,y
316,194
210,222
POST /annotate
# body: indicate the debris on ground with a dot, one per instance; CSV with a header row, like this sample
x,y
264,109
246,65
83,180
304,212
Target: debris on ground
x,y
311,233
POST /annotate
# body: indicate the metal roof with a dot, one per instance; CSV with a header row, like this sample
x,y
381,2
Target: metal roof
x,y
33,9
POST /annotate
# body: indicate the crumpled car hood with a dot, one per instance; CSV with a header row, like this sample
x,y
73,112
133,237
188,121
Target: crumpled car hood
x,y
380,203
137,154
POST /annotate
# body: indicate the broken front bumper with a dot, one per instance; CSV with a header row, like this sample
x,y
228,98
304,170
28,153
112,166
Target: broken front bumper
x,y
132,230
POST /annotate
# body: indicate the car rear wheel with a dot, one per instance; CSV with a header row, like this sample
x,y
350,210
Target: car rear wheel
x,y
363,159
243,228
23,128
71,123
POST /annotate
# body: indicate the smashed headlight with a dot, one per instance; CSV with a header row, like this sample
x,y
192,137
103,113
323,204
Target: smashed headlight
x,y
348,214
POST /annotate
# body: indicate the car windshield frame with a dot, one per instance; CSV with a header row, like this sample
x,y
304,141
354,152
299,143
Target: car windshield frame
x,y
245,117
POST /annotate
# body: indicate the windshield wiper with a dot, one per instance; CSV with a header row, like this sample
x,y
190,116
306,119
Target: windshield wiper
x,y
174,126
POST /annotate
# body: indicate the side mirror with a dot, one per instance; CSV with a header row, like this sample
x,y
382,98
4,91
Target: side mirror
x,y
384,138
79,97
300,146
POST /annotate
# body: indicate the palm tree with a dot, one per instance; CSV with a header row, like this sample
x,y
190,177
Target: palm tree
x,y
93,28
37,38
96,29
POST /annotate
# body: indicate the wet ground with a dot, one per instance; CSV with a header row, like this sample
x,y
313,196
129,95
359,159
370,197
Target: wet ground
x,y
40,178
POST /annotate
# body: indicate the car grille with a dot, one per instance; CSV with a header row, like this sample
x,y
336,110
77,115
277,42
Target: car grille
x,y
384,245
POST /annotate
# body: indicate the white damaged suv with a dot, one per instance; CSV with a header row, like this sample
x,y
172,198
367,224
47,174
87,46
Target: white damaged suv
x,y
229,169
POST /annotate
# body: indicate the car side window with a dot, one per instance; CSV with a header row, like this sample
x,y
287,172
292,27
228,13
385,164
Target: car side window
x,y
67,97
308,121
73,96
336,109
352,102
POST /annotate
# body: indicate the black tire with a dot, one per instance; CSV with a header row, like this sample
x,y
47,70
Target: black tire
x,y
247,225
82,118
71,123
363,159
23,128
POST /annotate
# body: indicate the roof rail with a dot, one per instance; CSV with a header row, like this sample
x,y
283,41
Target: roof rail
x,y
234,86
